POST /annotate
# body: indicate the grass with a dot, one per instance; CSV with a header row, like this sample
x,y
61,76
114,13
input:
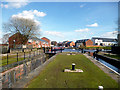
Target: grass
x,y
100,47
113,56
53,76
13,58
10,61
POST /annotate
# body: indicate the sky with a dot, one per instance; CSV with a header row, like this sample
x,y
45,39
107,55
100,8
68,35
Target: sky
x,y
61,21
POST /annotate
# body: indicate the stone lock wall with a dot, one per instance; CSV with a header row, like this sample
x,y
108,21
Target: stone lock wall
x,y
10,76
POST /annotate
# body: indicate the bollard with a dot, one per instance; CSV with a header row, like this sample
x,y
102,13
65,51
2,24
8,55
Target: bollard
x,y
100,87
73,66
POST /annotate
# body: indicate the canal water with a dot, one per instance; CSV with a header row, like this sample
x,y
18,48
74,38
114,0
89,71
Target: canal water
x,y
109,65
100,60
71,50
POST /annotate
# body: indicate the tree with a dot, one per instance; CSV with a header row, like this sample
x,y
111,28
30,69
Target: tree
x,y
25,26
5,39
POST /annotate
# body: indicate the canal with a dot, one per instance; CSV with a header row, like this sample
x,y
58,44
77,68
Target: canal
x,y
100,60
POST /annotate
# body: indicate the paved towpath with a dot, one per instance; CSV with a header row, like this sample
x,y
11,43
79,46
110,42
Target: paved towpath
x,y
112,74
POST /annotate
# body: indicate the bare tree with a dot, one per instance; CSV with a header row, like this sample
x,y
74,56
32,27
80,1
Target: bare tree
x,y
26,27
5,38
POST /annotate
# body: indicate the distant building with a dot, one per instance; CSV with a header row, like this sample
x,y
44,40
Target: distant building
x,y
15,41
104,41
35,42
70,44
83,42
54,43
64,43
48,40
60,44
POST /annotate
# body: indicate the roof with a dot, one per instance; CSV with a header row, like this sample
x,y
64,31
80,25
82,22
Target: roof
x,y
46,38
69,42
105,39
81,41
35,38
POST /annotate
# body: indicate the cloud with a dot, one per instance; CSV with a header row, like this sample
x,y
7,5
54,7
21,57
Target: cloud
x,y
54,33
15,3
112,34
82,30
93,25
82,5
31,14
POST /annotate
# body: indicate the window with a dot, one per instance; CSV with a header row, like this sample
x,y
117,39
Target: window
x,y
96,43
29,41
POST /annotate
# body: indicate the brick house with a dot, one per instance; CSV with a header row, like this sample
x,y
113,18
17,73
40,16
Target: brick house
x,y
64,43
15,41
48,44
36,42
54,43
70,44
84,42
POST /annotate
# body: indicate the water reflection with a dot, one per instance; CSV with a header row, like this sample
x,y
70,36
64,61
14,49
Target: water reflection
x,y
71,50
109,65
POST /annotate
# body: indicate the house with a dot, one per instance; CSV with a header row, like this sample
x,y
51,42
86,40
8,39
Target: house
x,y
54,43
70,44
3,48
64,43
60,44
16,41
47,40
83,42
104,41
35,42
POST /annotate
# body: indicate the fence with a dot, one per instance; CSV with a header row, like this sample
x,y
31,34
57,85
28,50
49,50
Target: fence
x,y
22,68
12,58
17,48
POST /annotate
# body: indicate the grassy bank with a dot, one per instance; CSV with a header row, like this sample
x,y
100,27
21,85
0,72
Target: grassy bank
x,y
54,77
100,47
12,58
113,56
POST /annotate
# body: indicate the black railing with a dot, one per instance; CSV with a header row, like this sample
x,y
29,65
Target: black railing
x,y
10,58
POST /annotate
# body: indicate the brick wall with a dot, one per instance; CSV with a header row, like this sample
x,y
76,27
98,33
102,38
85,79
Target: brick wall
x,y
10,76
72,44
18,40
89,42
46,39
